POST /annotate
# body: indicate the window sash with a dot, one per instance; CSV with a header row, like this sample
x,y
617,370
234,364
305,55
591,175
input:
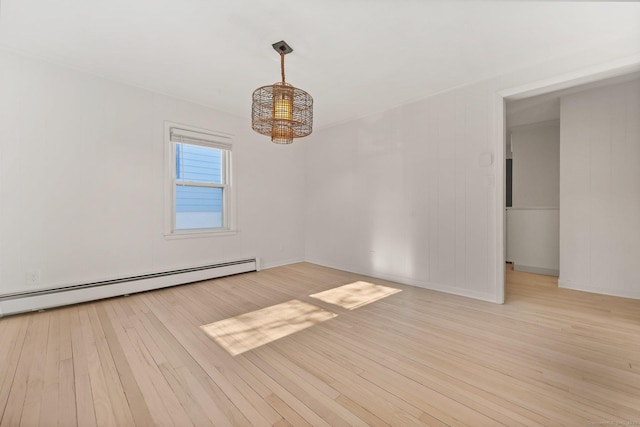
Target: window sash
x,y
199,184
225,150
199,211
223,160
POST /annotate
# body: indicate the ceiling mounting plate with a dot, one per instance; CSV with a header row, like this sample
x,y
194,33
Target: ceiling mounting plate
x,y
282,46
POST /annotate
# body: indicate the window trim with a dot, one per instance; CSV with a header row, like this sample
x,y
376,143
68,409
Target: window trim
x,y
175,133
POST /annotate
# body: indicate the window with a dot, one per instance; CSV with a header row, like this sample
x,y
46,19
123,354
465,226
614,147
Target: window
x,y
200,181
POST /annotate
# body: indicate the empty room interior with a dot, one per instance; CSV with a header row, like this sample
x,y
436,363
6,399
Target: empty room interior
x,y
431,218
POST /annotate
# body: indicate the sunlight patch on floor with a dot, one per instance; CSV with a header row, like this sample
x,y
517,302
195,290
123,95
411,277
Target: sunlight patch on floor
x,y
355,294
251,330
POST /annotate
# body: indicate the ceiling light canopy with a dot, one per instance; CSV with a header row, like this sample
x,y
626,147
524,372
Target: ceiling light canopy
x,y
280,110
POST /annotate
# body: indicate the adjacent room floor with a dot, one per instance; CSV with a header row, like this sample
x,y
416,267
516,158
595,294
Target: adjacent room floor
x,y
372,353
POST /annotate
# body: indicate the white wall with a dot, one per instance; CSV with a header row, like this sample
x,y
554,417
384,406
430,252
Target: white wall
x,y
600,190
536,165
81,181
402,194
533,239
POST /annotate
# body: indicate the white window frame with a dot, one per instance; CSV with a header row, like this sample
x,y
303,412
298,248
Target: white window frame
x,y
175,133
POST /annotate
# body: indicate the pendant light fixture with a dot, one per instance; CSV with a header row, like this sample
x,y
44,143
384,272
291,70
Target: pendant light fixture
x,y
280,110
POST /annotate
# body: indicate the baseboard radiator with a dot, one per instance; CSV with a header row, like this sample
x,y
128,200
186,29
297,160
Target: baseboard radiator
x,y
41,299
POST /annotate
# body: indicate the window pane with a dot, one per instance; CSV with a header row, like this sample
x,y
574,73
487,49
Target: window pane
x,y
198,207
198,164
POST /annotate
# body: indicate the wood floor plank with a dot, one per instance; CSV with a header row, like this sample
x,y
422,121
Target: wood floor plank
x,y
191,406
23,377
405,364
14,333
210,398
263,384
66,384
152,403
163,404
138,407
547,357
36,380
101,402
206,401
366,415
50,396
85,410
214,398
282,393
237,390
112,380
369,396
327,408
288,413
67,395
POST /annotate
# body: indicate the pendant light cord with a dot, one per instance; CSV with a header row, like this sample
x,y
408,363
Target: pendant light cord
x,y
282,65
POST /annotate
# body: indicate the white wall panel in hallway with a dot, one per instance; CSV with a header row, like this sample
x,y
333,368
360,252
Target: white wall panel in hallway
x,y
600,190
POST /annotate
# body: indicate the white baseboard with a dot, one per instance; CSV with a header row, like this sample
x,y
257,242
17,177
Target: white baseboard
x,y
483,296
43,299
267,265
624,293
536,270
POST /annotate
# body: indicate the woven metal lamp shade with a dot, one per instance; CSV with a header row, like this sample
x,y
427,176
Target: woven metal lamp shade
x,y
282,111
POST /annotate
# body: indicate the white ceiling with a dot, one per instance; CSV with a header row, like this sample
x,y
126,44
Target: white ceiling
x,y
355,57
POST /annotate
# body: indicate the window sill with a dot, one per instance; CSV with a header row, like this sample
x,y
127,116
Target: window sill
x,y
196,234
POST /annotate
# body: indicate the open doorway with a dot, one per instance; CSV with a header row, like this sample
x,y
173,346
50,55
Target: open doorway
x,y
534,96
533,152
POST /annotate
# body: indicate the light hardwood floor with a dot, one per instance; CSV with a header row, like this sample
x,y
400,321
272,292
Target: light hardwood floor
x,y
548,356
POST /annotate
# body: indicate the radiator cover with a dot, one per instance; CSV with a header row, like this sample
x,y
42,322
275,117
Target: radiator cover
x,y
21,302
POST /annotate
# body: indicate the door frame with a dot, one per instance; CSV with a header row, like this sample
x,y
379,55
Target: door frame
x,y
591,74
